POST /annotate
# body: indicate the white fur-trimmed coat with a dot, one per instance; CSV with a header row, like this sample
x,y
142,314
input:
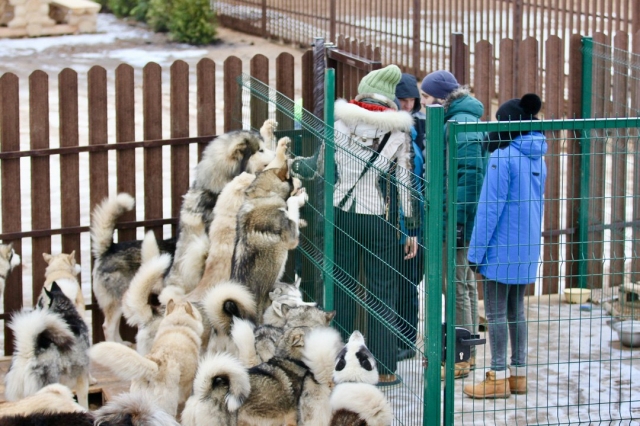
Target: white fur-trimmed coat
x,y
355,131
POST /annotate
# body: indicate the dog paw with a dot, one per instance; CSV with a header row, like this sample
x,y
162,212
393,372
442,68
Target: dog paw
x,y
283,146
268,128
302,223
302,197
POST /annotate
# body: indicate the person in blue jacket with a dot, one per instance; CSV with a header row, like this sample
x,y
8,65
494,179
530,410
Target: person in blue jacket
x,y
505,243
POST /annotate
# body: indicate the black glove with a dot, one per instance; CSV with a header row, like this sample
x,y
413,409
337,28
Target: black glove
x,y
473,267
460,243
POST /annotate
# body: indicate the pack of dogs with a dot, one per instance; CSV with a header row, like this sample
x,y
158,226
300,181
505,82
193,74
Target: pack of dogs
x,y
221,339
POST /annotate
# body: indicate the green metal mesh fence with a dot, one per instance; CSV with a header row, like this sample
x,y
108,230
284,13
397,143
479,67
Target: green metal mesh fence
x,y
576,367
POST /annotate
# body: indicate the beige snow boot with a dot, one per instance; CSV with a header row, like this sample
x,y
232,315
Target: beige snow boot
x,y
518,383
496,385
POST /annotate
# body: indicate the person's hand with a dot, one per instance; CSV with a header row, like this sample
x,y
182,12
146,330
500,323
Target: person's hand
x,y
460,243
410,248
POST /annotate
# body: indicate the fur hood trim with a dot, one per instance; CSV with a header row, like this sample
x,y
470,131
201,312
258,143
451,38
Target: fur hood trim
x,y
456,94
387,121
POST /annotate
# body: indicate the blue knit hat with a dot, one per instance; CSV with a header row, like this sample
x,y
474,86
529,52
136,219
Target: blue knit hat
x,y
439,84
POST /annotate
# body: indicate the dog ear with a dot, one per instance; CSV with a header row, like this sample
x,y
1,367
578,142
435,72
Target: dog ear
x,y
285,309
72,256
297,338
170,306
283,173
47,257
329,316
189,309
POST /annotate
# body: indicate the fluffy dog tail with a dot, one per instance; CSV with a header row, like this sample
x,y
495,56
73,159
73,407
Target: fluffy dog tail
x,y
321,347
34,331
227,300
364,399
123,361
221,384
124,407
104,221
135,302
244,339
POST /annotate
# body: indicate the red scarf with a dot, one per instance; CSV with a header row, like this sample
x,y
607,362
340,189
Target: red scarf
x,y
371,107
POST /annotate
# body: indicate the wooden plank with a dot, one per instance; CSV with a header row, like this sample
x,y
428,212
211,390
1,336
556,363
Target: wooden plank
x,y
233,106
179,128
507,73
10,191
125,132
307,82
458,58
69,163
40,175
98,164
285,84
527,72
206,92
635,108
152,129
259,109
484,79
554,84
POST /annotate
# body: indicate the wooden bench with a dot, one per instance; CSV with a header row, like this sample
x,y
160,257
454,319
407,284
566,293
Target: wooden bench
x,y
33,18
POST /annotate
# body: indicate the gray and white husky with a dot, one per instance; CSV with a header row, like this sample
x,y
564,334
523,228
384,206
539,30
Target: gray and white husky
x,y
51,346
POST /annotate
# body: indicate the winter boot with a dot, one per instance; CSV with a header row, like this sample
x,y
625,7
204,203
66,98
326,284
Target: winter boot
x,y
496,385
518,384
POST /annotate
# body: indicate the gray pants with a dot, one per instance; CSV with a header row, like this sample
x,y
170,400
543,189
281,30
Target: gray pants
x,y
504,307
466,295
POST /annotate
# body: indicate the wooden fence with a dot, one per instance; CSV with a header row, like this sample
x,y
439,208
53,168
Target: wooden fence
x,y
155,169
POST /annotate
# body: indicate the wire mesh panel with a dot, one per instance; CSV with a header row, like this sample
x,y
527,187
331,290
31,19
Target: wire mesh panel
x,y
374,289
565,359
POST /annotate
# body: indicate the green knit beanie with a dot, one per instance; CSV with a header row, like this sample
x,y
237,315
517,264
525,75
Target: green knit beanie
x,y
382,82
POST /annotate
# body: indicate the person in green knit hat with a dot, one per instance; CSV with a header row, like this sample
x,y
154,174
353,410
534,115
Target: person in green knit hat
x,y
370,134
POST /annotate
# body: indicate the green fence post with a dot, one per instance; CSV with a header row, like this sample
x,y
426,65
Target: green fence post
x,y
450,296
585,161
329,181
434,174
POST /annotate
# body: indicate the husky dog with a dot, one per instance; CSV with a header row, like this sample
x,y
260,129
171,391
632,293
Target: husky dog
x,y
222,234
115,263
221,386
50,347
224,158
136,305
356,400
49,419
283,294
132,409
166,373
53,398
223,304
63,269
267,336
321,347
268,227
9,259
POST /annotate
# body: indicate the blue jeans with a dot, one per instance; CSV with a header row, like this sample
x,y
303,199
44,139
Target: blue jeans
x,y
504,308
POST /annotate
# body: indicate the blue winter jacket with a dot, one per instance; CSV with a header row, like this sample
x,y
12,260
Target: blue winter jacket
x,y
505,242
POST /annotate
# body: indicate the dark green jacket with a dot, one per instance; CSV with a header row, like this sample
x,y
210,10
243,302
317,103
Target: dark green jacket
x,y
460,106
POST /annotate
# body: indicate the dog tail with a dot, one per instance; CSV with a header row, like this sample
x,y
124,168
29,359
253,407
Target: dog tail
x,y
244,339
123,361
149,247
35,331
227,300
321,347
364,399
121,409
104,221
223,377
135,302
